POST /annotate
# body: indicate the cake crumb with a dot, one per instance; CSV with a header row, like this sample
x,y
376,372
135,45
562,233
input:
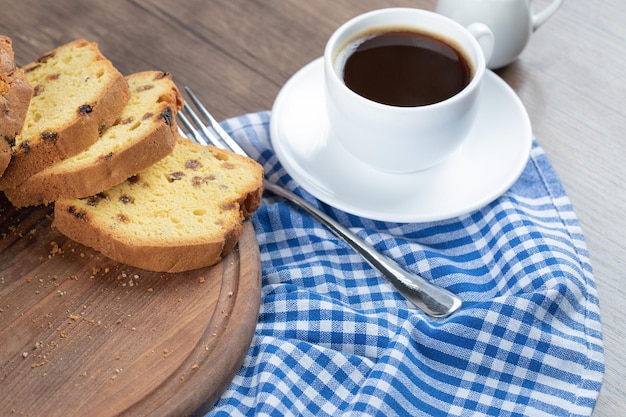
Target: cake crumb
x,y
38,364
55,249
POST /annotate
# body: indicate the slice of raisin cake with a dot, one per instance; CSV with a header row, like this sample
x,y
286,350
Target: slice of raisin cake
x,y
15,95
77,94
143,134
183,213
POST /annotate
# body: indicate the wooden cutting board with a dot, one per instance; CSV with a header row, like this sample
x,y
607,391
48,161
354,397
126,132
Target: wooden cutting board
x,y
83,335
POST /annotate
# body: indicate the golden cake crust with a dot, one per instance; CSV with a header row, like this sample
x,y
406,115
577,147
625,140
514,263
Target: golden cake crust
x,y
183,213
15,95
143,134
73,121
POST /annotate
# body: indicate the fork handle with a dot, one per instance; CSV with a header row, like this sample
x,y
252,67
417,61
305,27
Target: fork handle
x,y
433,300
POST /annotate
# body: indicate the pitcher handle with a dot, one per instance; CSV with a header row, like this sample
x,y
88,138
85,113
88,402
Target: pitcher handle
x,y
541,17
484,36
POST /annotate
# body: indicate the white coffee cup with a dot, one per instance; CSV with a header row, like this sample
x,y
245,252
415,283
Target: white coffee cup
x,y
404,139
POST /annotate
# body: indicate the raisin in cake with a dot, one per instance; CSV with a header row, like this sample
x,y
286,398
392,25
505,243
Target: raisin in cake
x,y
15,95
143,134
185,212
77,94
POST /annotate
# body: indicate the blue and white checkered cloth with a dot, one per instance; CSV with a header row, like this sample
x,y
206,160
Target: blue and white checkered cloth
x,y
334,338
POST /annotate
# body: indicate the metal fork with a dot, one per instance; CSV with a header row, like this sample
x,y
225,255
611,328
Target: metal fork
x,y
433,300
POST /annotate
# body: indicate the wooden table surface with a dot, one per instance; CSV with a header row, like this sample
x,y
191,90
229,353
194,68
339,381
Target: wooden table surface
x,y
237,54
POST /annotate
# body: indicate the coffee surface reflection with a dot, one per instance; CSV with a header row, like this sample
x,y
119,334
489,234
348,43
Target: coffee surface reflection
x,y
405,68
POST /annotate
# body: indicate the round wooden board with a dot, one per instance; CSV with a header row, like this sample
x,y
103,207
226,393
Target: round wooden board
x,y
83,335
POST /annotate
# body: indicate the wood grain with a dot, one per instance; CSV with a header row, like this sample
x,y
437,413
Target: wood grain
x,y
236,54
83,335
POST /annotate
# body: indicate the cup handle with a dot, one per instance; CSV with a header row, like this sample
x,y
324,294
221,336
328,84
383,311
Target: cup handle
x,y
541,17
484,36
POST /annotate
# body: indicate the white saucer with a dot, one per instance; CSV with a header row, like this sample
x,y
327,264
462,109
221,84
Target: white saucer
x,y
489,162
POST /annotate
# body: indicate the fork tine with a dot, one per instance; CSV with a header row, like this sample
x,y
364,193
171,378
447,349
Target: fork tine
x,y
208,131
195,135
224,136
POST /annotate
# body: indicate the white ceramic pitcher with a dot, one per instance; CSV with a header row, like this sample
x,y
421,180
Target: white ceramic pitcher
x,y
511,21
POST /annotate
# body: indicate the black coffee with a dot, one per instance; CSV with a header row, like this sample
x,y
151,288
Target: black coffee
x,y
405,68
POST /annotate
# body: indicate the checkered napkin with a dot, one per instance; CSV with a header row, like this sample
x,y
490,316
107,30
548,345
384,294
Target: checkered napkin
x,y
334,338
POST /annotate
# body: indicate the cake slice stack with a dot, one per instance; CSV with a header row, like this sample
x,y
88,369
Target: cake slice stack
x,y
105,150
142,135
77,95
